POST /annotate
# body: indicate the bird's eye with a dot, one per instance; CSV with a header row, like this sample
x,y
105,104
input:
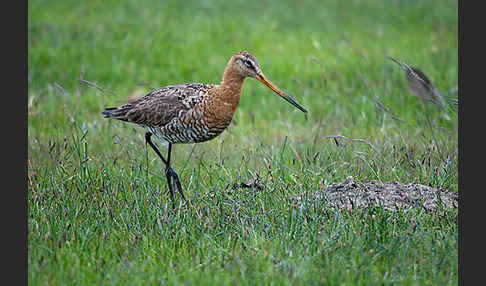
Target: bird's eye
x,y
248,63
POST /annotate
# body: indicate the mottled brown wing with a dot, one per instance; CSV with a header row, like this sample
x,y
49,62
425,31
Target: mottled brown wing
x,y
161,106
155,110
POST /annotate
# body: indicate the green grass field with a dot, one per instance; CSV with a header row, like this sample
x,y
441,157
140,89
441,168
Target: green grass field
x,y
98,208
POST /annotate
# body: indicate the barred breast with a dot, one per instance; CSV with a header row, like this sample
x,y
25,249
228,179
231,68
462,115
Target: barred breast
x,y
195,125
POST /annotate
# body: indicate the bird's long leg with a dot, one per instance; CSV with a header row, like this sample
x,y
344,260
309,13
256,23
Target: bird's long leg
x,y
148,139
171,173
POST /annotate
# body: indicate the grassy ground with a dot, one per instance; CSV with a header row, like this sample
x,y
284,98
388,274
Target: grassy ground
x,y
98,208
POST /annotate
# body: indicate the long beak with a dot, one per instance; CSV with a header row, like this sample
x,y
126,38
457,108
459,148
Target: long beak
x,y
263,79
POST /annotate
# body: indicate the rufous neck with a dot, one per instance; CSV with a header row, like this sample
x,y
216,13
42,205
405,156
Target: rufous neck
x,y
232,80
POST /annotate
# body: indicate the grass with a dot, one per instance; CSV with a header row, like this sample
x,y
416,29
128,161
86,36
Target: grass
x,y
98,208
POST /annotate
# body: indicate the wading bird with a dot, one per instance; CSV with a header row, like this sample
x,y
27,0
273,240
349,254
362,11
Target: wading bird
x,y
194,112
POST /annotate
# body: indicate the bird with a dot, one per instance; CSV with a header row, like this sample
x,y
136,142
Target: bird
x,y
192,112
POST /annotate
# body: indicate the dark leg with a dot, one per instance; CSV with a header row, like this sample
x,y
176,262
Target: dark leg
x,y
170,174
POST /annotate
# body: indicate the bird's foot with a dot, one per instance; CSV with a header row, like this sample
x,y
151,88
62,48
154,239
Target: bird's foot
x,y
173,182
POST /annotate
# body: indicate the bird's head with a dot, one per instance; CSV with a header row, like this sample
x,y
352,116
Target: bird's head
x,y
246,65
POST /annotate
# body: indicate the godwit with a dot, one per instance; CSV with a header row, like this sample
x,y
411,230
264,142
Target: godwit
x,y
194,112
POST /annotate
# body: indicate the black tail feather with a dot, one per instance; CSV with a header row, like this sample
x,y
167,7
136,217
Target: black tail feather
x,y
108,112
115,112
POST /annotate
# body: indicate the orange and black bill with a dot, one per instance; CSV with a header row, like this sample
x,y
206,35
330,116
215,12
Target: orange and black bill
x,y
291,100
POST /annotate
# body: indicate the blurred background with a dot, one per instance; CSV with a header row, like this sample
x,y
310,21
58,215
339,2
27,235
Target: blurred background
x,y
330,55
